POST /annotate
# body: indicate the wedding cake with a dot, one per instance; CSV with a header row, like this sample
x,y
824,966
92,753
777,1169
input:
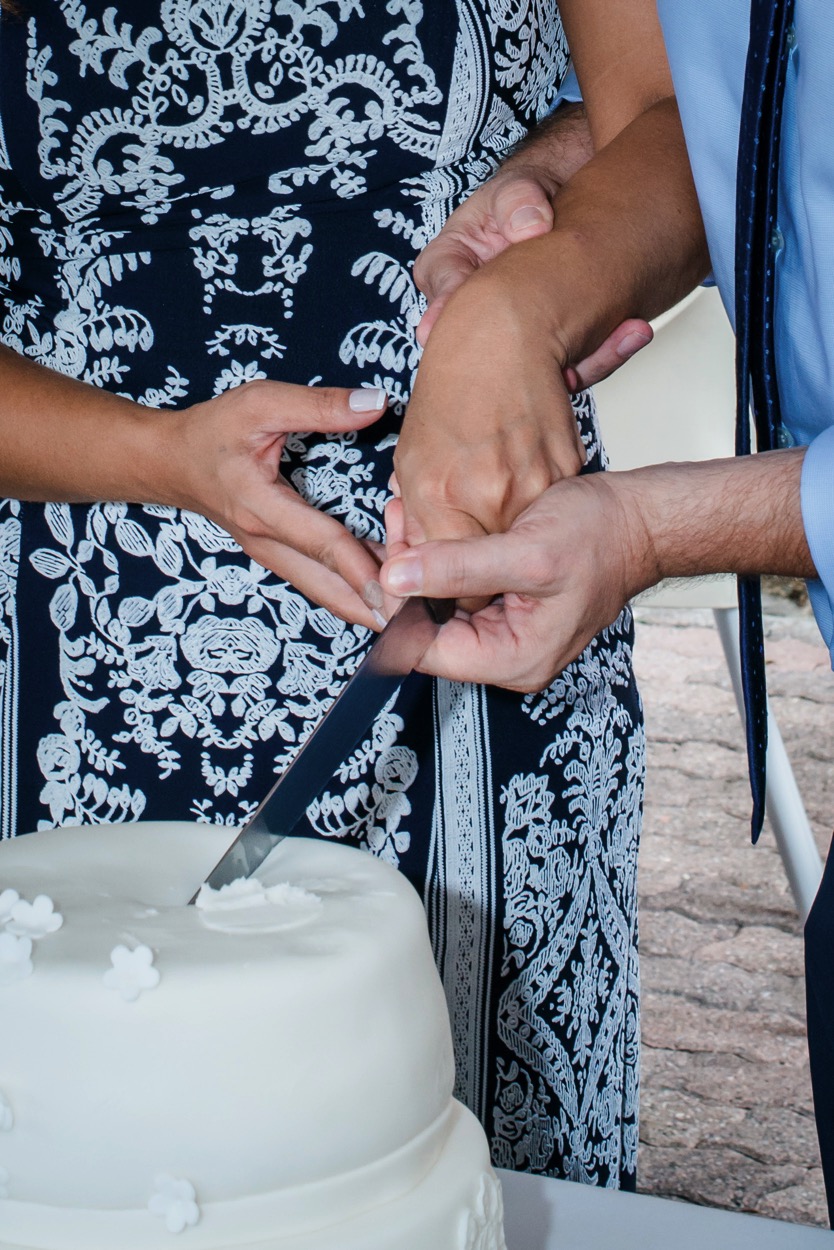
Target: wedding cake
x,y
270,1069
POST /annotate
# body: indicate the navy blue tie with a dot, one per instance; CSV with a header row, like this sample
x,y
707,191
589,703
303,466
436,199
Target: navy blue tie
x,y
757,242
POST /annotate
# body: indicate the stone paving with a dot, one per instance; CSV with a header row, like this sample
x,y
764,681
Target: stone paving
x,y
726,1116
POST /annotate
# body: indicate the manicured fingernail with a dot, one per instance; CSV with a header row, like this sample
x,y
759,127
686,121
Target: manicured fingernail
x,y
375,599
372,594
367,399
632,343
527,217
405,575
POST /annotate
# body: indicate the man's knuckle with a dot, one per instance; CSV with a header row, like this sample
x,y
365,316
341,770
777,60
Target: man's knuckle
x,y
536,572
456,570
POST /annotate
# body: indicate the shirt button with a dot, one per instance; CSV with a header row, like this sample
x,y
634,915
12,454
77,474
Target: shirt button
x,y
784,438
790,37
777,241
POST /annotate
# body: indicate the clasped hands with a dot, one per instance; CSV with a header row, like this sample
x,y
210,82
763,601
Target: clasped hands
x,y
490,446
489,430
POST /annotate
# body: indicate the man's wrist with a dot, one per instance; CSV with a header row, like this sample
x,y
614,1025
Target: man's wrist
x,y
738,516
554,150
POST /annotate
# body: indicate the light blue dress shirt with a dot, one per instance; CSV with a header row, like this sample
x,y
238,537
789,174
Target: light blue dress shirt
x,y
707,45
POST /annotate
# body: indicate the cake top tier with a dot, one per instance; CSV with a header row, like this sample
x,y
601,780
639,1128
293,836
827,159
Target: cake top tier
x,y
289,1029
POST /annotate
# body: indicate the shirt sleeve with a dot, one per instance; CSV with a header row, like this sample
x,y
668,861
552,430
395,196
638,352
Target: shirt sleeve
x,y
817,499
569,92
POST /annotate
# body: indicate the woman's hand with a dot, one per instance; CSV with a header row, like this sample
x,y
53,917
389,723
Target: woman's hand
x,y
224,461
65,440
513,205
490,423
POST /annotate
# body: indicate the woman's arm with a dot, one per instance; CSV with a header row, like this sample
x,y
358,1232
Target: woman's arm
x,y
490,424
516,204
66,440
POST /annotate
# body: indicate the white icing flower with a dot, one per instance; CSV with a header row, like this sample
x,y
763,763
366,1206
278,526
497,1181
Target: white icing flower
x,y
4,1183
15,958
34,920
8,898
6,1114
251,892
174,1200
132,972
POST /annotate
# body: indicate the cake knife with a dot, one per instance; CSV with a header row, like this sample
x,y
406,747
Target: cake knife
x,y
392,656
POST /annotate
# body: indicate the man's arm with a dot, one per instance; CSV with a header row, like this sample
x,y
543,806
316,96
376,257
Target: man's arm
x,y
575,557
513,205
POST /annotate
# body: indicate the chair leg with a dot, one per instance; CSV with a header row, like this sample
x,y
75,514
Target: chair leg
x,y
784,805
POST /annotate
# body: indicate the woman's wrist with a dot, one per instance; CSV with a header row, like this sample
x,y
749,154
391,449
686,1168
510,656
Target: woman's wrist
x,y
512,299
67,441
149,456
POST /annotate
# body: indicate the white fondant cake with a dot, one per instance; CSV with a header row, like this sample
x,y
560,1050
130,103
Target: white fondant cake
x,y
271,1070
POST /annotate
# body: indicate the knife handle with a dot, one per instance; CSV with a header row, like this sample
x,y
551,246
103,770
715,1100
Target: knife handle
x,y
441,610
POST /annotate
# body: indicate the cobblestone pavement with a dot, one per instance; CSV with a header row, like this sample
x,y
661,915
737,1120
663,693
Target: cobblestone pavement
x,y
726,1115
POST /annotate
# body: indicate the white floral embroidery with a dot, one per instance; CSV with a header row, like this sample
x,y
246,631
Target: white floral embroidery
x,y
15,958
175,1201
162,627
6,1114
371,813
205,70
132,972
36,919
570,920
9,677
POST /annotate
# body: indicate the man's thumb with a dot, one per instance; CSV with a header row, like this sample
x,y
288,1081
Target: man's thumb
x,y
522,209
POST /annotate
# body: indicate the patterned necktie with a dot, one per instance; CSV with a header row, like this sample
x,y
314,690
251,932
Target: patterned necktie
x,y
757,241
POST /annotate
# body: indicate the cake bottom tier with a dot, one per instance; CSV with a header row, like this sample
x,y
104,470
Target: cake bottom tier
x,y
456,1206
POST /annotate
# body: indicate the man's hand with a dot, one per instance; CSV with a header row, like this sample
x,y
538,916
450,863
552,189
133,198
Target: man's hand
x,y
490,425
564,571
572,560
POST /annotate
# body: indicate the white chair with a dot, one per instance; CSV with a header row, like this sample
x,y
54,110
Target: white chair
x,y
676,401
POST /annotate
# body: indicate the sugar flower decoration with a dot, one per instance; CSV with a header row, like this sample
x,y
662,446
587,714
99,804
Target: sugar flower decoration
x,y
175,1201
8,898
15,958
34,920
6,1114
132,972
4,1183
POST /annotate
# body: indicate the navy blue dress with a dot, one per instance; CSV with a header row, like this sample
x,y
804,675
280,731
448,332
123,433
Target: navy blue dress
x,y
200,192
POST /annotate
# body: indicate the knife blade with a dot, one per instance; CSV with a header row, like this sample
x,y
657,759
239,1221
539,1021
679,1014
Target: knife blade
x,y
393,655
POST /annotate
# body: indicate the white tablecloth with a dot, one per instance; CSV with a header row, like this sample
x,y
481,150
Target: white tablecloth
x,y
543,1214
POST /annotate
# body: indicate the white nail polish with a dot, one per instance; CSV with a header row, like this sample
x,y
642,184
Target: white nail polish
x,y
379,618
367,399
